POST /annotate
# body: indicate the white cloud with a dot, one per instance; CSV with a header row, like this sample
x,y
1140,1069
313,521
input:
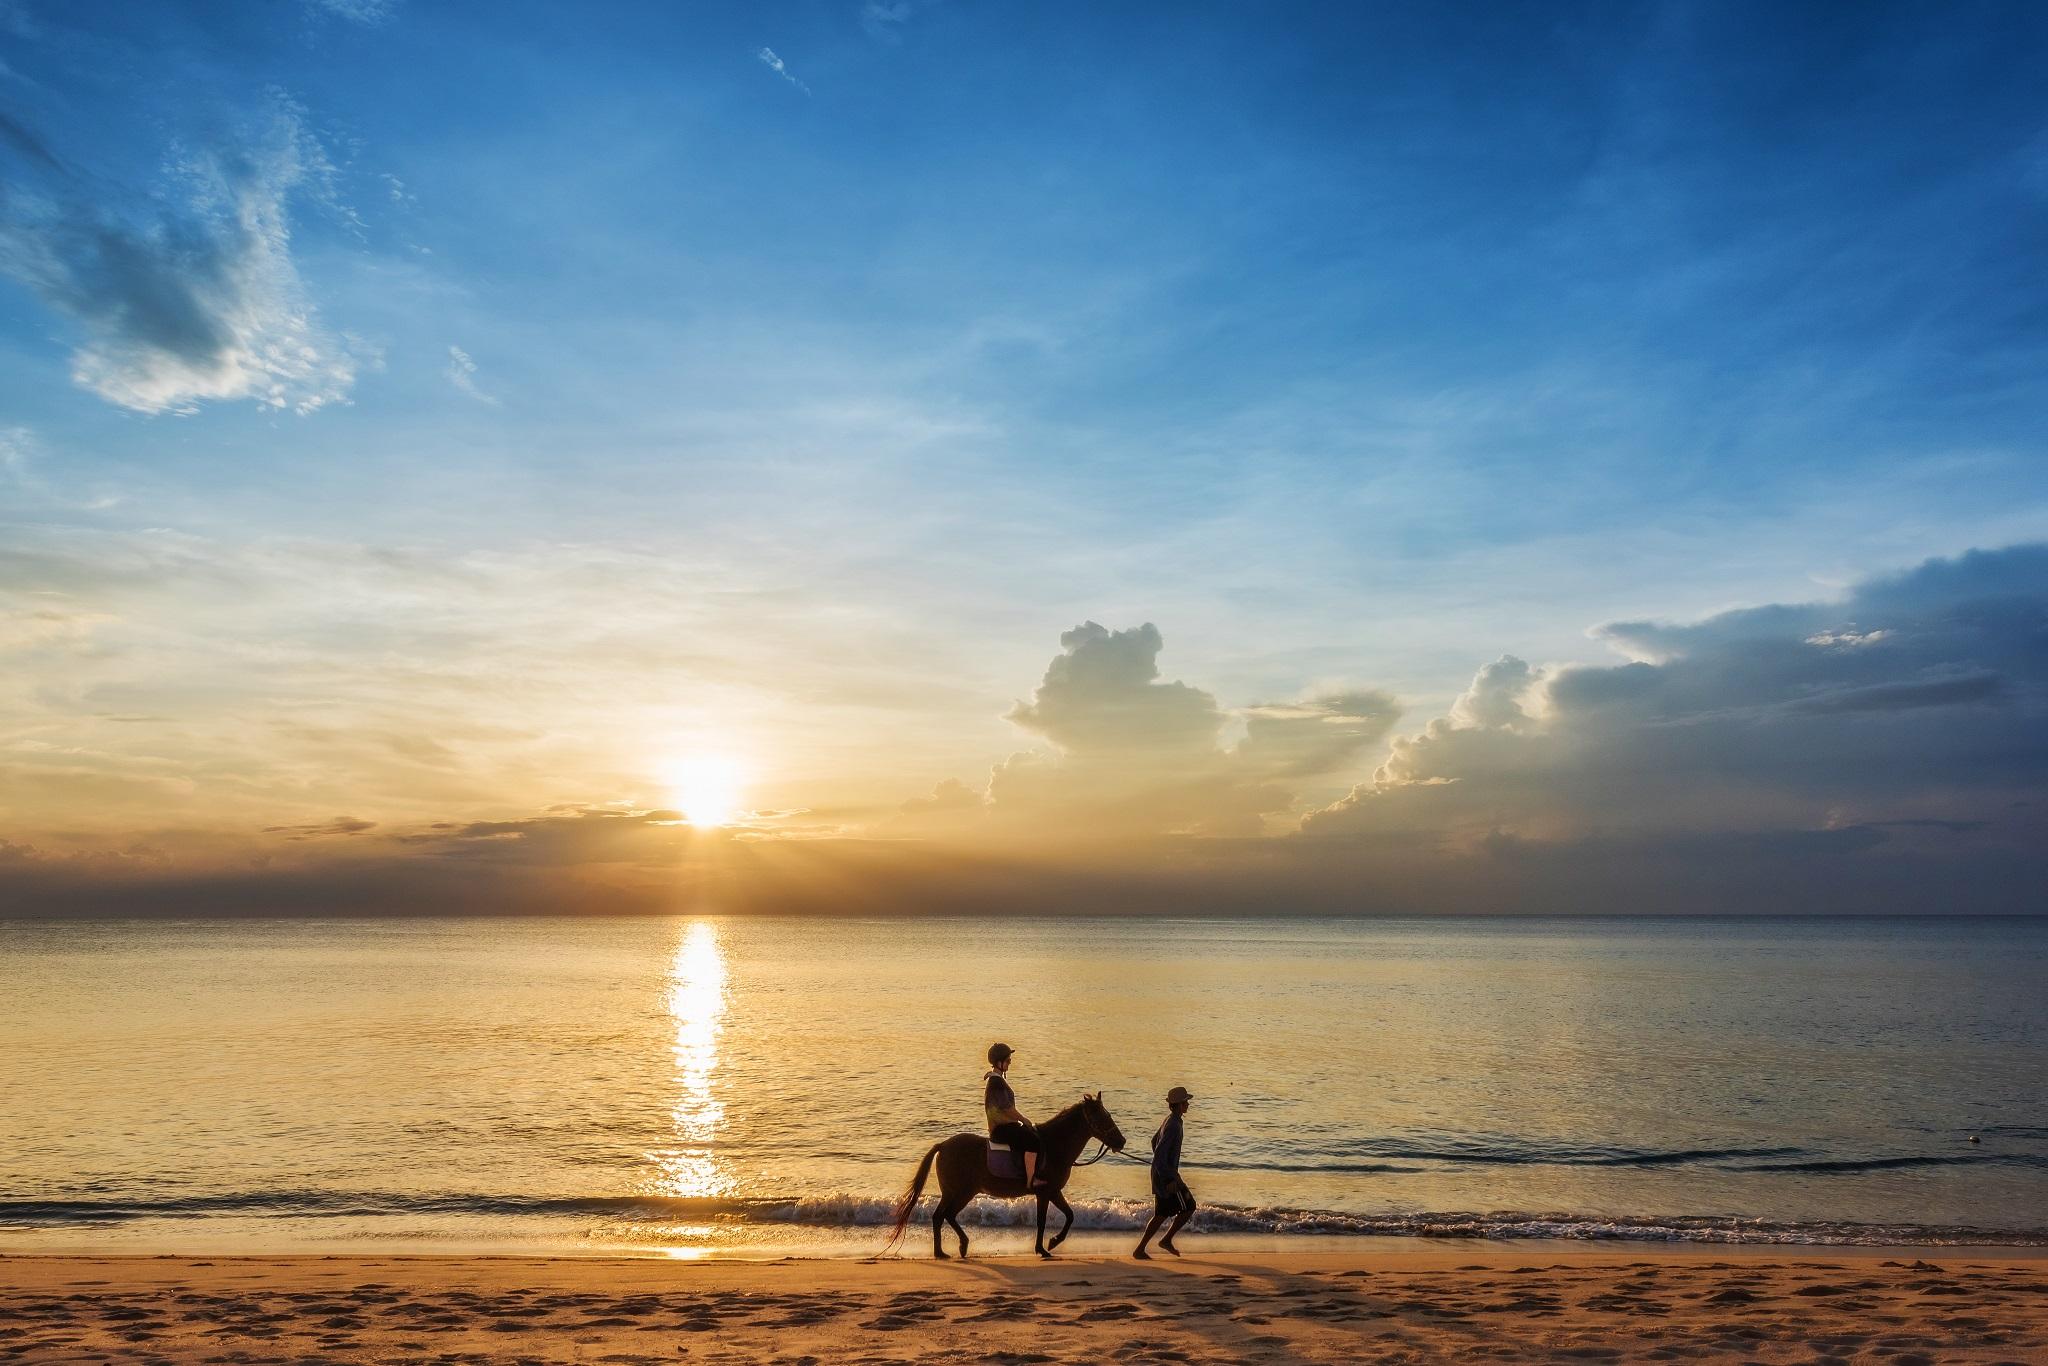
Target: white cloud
x,y
1132,754
883,18
356,11
192,296
1923,696
461,373
780,68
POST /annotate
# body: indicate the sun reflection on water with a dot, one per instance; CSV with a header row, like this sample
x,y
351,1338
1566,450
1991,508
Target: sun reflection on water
x,y
696,1007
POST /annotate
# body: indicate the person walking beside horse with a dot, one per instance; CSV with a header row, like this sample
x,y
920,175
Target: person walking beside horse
x,y
1171,1198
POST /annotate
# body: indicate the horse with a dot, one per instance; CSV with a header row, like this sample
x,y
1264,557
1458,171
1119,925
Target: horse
x,y
964,1173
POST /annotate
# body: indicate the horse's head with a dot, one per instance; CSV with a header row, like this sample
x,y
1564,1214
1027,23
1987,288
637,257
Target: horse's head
x,y
1099,1123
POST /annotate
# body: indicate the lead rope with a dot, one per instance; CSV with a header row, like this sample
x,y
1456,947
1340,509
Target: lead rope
x,y
1103,1150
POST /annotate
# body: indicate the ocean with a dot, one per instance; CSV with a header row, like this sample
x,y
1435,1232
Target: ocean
x,y
693,1087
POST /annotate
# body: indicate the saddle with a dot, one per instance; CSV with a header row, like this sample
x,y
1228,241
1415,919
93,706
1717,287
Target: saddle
x,y
1004,1163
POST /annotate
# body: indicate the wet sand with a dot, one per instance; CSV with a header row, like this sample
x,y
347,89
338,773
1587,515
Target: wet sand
x,y
1632,1304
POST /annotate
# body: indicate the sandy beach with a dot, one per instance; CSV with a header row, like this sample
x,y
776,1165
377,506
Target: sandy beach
x,y
1633,1304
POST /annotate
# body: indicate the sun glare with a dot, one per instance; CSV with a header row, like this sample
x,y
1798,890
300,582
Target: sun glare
x,y
706,790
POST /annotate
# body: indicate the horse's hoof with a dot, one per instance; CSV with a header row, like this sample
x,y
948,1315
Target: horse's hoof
x,y
942,1256
1043,1253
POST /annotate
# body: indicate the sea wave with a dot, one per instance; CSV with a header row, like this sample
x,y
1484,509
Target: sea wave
x,y
1848,1165
647,1217
1515,1152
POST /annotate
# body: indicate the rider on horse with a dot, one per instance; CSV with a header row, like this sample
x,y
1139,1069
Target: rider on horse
x,y
1006,1123
964,1169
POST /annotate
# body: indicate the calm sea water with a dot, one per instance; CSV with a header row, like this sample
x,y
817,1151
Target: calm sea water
x,y
705,1085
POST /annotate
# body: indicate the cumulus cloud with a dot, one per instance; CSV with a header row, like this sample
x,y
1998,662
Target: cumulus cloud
x,y
1883,752
1921,697
952,804
187,296
1101,696
1129,753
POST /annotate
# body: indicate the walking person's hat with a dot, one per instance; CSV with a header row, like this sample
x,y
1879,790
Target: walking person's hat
x,y
1178,1094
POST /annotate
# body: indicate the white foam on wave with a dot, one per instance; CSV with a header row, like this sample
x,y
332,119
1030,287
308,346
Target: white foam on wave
x,y
857,1211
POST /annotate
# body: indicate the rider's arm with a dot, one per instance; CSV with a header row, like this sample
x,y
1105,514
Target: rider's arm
x,y
991,1092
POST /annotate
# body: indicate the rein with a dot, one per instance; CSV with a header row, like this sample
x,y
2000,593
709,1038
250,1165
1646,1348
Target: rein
x,y
1104,1150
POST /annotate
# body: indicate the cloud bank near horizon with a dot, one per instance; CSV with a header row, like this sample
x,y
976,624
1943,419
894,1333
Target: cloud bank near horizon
x,y
1921,697
1884,752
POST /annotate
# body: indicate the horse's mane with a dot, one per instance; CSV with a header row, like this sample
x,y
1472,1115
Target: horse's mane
x,y
1067,1116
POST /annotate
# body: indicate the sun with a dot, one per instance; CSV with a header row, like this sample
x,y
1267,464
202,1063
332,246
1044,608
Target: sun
x,y
706,789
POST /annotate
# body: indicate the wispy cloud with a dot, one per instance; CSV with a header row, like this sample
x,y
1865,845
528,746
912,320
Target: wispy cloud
x,y
339,827
22,464
461,373
882,18
187,295
780,68
356,11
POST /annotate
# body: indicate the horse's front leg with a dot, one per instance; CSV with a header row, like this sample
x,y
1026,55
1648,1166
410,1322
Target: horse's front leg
x,y
1067,1212
1041,1226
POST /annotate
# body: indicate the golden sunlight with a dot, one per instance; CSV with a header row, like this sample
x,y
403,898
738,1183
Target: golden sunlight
x,y
696,1007
706,789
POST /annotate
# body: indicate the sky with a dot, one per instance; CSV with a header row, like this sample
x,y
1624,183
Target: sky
x,y
964,455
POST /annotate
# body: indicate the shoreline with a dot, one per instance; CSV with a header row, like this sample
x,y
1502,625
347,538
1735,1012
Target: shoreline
x,y
1015,1243
1898,1305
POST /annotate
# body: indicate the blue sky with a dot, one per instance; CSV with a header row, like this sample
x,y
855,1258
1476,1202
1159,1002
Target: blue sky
x,y
812,367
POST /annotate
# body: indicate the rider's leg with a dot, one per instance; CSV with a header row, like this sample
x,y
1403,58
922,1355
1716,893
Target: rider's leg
x,y
1030,1167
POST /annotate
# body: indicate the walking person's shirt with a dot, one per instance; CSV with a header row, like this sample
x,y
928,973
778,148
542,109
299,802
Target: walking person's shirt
x,y
1166,1155
997,1099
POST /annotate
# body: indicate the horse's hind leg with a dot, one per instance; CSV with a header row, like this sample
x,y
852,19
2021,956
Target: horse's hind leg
x,y
948,1212
953,1218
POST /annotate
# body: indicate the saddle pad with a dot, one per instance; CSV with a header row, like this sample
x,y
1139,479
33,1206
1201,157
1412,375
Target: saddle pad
x,y
1003,1162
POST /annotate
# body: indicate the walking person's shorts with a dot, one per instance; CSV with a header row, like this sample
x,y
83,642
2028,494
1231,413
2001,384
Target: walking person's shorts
x,y
1173,1200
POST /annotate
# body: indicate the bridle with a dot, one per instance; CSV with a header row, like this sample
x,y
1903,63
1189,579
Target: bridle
x,y
1103,1150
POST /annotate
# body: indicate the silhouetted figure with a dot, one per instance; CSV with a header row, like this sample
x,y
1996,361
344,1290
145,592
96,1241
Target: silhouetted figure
x,y
1006,1123
966,1168
1171,1198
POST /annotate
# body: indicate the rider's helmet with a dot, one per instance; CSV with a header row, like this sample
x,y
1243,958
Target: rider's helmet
x,y
997,1052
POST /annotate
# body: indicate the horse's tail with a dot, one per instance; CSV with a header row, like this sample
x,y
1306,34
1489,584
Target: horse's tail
x,y
910,1197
